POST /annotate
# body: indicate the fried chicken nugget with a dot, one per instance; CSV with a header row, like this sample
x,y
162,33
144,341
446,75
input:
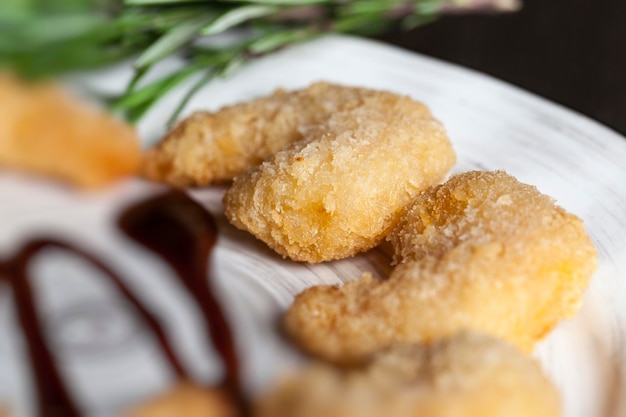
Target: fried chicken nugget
x,y
341,189
212,147
481,251
47,131
469,375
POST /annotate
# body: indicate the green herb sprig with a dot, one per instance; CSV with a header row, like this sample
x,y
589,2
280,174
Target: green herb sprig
x,y
41,38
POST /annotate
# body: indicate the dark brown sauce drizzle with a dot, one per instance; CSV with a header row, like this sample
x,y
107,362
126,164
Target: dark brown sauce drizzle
x,y
175,227
52,396
184,234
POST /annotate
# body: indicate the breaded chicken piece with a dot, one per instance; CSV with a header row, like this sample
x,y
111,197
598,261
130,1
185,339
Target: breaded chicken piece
x,y
44,130
468,375
481,251
186,400
341,189
212,147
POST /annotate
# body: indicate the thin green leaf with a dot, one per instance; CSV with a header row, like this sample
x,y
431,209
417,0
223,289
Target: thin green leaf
x,y
275,40
155,89
171,41
237,16
368,7
428,7
233,65
136,113
138,76
280,2
159,2
355,23
208,76
138,97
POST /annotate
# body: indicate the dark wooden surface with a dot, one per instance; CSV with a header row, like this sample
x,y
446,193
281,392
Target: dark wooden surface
x,y
570,51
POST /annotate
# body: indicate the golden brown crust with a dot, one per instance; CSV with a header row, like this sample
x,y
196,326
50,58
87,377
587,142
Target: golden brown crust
x,y
211,147
188,400
46,131
481,251
340,190
469,375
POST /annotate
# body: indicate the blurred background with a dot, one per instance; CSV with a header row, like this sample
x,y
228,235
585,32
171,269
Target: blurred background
x,y
569,51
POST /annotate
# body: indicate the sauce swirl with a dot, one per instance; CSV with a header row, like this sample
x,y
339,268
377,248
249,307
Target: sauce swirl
x,y
171,225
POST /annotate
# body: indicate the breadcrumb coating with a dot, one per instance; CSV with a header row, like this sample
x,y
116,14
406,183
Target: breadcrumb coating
x,y
188,400
469,375
44,130
213,147
341,189
481,251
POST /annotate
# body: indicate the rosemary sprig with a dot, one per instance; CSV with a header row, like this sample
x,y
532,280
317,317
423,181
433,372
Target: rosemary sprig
x,y
48,37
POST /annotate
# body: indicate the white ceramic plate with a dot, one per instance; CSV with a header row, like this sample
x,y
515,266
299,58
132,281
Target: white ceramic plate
x,y
110,361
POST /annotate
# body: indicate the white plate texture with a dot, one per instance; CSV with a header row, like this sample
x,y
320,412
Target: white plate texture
x,y
109,359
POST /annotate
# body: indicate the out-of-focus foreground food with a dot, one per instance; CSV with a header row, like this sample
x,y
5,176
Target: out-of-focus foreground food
x,y
186,400
47,131
469,375
481,251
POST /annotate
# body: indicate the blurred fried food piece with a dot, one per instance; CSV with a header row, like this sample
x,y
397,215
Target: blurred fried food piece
x,y
341,189
47,131
211,147
469,375
188,400
481,251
